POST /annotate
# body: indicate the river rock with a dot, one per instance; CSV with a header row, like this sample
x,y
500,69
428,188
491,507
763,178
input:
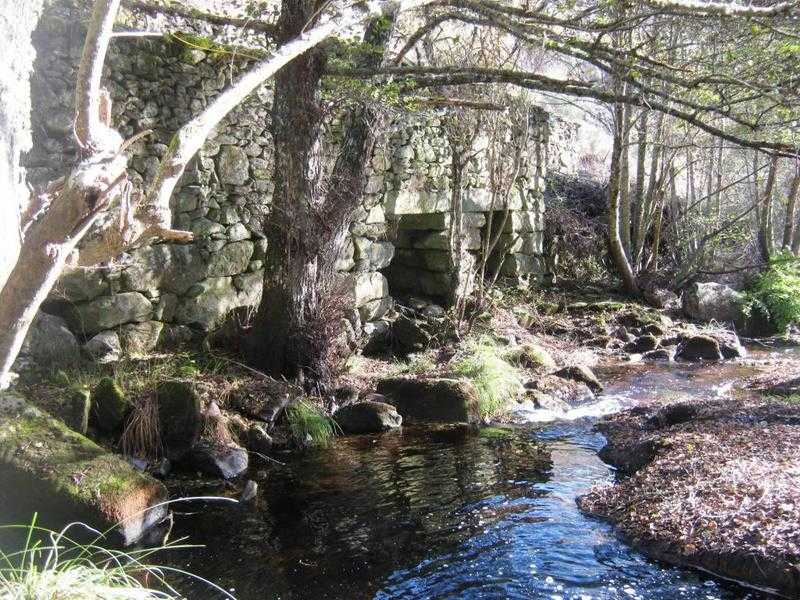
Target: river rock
x,y
544,401
531,356
567,390
251,434
699,347
658,354
109,405
367,417
642,344
219,460
432,400
47,468
729,344
180,417
713,301
582,374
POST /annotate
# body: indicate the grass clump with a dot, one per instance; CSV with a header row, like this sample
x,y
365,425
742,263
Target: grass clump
x,y
497,381
309,425
776,292
52,566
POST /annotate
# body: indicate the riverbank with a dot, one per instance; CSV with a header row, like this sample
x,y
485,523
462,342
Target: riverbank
x,y
713,485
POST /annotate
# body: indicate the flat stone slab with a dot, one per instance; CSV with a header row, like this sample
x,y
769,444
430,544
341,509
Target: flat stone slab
x,y
47,468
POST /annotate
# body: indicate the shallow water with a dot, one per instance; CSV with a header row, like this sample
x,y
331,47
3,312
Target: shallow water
x,y
448,514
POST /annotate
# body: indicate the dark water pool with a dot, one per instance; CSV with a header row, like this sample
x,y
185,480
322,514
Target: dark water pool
x,y
443,514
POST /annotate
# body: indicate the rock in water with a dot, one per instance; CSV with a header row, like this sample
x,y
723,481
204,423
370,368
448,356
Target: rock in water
x,y
432,400
699,347
249,492
582,374
226,461
367,417
659,354
642,344
180,417
109,405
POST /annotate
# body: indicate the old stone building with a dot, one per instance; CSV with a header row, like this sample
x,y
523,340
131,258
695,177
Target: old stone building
x,y
400,239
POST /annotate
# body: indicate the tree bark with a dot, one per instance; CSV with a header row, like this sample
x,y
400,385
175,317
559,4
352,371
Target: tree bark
x,y
765,230
298,324
66,210
790,223
621,261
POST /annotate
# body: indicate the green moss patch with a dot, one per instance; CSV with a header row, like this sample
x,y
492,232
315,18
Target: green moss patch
x,y
72,475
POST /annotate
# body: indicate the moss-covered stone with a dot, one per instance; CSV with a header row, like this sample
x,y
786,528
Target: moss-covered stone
x,y
432,400
77,414
109,405
530,356
47,468
180,417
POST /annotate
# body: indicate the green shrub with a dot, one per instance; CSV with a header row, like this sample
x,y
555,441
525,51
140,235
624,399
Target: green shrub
x,y
498,382
776,292
309,425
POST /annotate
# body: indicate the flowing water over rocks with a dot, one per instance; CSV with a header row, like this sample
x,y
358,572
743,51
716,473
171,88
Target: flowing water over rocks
x,y
449,513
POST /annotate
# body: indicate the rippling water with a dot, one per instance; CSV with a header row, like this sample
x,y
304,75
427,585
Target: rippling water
x,y
446,514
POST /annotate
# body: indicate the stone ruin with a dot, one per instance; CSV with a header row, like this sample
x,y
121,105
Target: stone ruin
x,y
168,292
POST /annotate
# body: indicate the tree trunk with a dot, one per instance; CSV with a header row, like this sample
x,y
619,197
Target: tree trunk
x,y
621,261
790,223
456,229
765,231
296,331
625,185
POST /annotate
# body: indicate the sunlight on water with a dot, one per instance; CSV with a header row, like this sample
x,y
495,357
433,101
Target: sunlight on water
x,y
445,513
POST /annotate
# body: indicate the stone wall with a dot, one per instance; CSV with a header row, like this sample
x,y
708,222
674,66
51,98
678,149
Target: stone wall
x,y
167,291
17,22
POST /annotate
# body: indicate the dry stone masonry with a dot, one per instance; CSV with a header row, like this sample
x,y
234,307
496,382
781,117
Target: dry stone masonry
x,y
167,292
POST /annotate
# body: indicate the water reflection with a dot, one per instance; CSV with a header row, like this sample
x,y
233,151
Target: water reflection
x,y
444,514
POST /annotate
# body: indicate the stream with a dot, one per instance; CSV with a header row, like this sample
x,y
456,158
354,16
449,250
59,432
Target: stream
x,y
443,513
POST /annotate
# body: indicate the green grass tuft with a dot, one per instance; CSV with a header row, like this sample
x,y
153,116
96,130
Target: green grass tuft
x,y
309,425
498,382
52,566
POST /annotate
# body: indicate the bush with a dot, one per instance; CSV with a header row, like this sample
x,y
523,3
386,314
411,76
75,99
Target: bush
x,y
309,425
776,292
498,382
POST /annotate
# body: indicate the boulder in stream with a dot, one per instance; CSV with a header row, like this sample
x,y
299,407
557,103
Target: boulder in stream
x,y
180,417
581,374
699,347
219,460
367,417
432,400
